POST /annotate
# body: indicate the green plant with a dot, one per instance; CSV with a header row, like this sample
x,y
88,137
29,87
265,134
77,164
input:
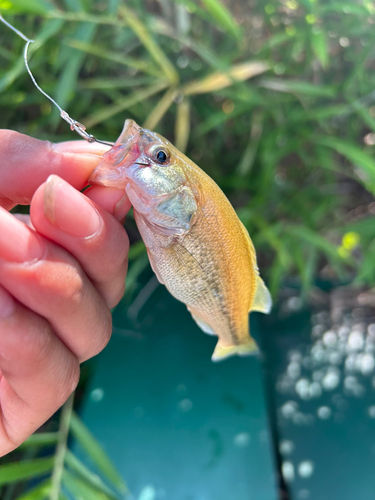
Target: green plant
x,y
281,92
67,475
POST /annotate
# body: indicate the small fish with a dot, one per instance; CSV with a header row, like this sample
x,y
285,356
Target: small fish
x,y
197,246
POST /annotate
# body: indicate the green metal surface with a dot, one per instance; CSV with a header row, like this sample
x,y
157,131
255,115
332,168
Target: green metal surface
x,y
176,425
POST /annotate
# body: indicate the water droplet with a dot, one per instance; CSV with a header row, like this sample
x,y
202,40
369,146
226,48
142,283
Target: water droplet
x,y
302,388
242,439
303,494
287,470
344,42
306,468
330,338
367,364
185,405
371,411
331,380
324,412
286,447
294,369
279,69
97,394
369,139
182,61
289,409
355,341
147,493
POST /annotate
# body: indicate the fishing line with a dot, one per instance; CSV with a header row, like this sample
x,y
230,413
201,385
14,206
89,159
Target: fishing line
x,y
74,124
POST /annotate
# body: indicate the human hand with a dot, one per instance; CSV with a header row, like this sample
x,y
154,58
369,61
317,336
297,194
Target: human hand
x,y
61,270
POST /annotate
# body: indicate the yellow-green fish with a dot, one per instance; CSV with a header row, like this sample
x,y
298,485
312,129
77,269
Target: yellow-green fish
x,y
197,246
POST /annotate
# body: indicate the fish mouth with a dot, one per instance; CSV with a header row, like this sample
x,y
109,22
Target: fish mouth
x,y
111,171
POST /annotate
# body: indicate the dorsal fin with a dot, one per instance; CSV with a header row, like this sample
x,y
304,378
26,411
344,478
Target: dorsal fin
x,y
262,299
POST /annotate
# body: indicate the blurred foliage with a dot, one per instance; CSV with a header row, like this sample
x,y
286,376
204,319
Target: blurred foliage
x,y
274,99
53,471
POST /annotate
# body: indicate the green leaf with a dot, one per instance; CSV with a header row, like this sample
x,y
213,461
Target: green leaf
x,y
96,453
19,471
159,110
40,439
80,489
96,50
298,87
125,103
220,80
364,162
223,17
182,125
40,492
320,47
80,469
68,80
149,43
38,7
308,235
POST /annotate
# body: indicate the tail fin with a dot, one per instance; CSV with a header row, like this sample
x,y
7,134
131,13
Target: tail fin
x,y
222,352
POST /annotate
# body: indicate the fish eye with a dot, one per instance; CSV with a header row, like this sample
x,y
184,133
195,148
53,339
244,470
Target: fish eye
x,y
161,155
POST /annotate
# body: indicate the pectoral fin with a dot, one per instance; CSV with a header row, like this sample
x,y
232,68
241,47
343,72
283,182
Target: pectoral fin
x,y
222,352
262,300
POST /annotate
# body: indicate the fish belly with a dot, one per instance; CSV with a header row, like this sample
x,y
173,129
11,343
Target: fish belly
x,y
197,271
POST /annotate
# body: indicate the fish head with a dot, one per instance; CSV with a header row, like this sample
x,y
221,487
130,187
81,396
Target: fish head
x,y
152,172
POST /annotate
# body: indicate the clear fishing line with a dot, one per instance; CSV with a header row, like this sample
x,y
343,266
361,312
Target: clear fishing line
x,y
74,124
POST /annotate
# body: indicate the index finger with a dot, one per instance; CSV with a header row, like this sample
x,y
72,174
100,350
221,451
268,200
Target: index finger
x,y
25,163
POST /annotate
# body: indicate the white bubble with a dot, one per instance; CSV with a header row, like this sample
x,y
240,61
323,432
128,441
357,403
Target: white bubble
x,y
185,405
350,362
300,418
302,388
286,447
371,330
331,380
303,494
289,409
330,338
182,62
369,139
343,332
147,493
355,341
318,375
242,439
287,470
315,390
317,330
181,388
97,394
344,42
324,412
334,358
294,369
367,364
371,411
293,303
306,468
295,356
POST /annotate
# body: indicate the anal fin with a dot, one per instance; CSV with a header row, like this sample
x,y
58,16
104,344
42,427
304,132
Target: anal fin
x,y
202,324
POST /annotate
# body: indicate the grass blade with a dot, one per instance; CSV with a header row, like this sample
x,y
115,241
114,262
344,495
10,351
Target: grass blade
x,y
95,50
96,453
19,471
364,162
122,104
160,109
40,439
79,489
182,125
40,492
298,87
80,469
222,15
219,80
149,43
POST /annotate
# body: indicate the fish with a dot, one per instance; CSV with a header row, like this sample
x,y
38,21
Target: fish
x,y
197,246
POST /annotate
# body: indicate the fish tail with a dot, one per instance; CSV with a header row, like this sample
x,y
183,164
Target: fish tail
x,y
245,349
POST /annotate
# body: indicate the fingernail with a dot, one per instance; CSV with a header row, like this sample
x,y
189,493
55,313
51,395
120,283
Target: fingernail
x,y
7,303
69,210
121,208
18,243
